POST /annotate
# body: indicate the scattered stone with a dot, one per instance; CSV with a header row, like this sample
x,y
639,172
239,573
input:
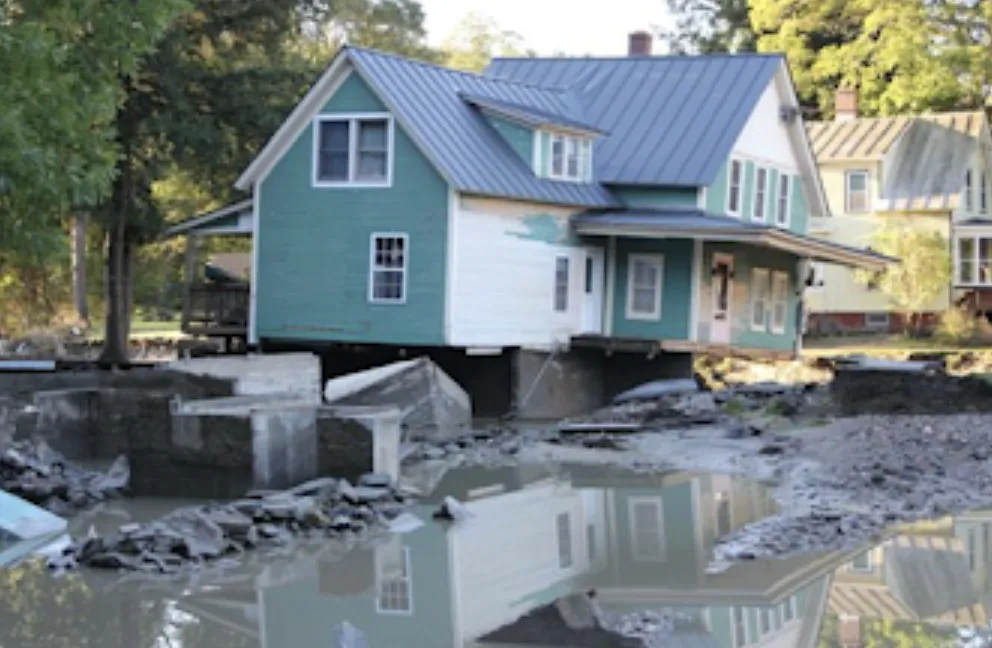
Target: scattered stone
x,y
375,480
33,471
452,510
346,635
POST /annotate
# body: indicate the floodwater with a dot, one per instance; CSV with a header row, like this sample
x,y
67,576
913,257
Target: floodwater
x,y
536,535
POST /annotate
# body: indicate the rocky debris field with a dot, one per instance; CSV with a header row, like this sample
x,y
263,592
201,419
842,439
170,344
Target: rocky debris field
x,y
35,472
194,536
845,484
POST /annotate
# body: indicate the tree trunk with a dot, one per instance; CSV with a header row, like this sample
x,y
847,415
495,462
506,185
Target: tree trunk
x,y
114,349
127,289
79,268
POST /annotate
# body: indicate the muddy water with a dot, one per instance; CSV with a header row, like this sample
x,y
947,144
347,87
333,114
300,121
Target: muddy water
x,y
641,542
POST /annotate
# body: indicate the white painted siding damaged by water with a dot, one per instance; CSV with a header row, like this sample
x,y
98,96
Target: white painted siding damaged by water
x,y
504,295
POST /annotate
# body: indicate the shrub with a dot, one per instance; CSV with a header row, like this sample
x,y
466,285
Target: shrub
x,y
958,326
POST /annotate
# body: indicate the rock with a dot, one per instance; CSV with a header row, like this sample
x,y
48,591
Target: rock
x,y
375,480
345,635
435,453
364,494
452,510
318,486
771,449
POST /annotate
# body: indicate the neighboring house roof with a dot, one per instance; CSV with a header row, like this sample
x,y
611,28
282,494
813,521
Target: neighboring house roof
x,y
870,138
671,120
681,222
529,115
926,157
230,219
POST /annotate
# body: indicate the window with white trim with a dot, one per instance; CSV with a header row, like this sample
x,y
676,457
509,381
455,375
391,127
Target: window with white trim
x,y
789,609
563,530
969,200
561,284
856,196
591,542
644,280
983,193
780,301
760,208
393,581
352,150
738,627
388,265
647,529
571,158
723,514
877,320
766,620
784,188
759,298
967,259
734,187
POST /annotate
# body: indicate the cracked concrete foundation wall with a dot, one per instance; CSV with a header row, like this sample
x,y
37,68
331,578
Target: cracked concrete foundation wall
x,y
276,373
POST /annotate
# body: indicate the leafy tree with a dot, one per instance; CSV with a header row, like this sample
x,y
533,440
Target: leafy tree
x,y
476,40
710,26
922,273
903,56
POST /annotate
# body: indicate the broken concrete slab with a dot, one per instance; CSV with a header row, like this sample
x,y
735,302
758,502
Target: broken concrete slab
x,y
258,374
431,404
25,528
657,389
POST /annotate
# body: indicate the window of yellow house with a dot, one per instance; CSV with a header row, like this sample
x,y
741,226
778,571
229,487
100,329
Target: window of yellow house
x,y
856,185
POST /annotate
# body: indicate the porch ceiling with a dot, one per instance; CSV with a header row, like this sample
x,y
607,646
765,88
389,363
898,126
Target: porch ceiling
x,y
698,224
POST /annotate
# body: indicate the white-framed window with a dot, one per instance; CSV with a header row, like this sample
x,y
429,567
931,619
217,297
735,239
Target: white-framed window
x,y
389,257
724,517
759,298
969,190
563,530
789,609
394,592
353,150
966,260
856,192
877,321
784,199
571,158
561,284
734,180
766,620
646,517
645,273
780,301
983,193
760,209
862,563
591,542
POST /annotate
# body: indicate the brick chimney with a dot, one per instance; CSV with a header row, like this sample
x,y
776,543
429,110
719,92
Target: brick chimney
x,y
846,104
639,43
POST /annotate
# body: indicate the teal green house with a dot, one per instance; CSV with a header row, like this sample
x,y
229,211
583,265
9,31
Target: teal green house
x,y
567,206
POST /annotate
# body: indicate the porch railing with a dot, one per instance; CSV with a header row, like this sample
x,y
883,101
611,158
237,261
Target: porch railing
x,y
216,309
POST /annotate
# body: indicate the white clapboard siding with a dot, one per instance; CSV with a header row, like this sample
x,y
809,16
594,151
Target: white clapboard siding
x,y
502,293
765,138
507,554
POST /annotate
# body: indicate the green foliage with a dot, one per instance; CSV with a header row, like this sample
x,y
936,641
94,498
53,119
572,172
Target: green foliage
x,y
923,270
476,40
956,326
709,27
903,56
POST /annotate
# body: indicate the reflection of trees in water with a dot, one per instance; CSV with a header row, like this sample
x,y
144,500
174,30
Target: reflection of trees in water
x,y
876,633
38,610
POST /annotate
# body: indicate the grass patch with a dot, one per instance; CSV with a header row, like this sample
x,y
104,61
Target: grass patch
x,y
143,329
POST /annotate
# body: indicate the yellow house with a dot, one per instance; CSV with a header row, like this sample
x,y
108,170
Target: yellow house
x,y
929,171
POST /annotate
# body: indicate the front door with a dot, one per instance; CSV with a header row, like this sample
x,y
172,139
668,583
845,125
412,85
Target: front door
x,y
594,278
721,287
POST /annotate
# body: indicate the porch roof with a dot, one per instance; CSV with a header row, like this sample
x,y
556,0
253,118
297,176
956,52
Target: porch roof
x,y
228,220
698,224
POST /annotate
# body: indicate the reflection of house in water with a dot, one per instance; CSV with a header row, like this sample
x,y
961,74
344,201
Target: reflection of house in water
x,y
641,542
926,573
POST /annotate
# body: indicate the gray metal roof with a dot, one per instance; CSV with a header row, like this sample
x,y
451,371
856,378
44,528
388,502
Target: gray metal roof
x,y
695,222
671,120
466,150
528,114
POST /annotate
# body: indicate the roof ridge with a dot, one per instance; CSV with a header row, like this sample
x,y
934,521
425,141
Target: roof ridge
x,y
653,57
443,68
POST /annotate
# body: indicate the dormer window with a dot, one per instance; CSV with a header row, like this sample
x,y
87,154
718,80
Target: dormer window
x,y
353,150
571,158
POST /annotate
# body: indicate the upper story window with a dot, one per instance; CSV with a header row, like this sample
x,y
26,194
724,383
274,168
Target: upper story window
x,y
734,187
784,191
353,150
969,201
856,196
761,194
571,158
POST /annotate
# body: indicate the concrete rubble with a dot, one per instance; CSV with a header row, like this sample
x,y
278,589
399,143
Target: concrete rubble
x,y
432,405
35,472
194,536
